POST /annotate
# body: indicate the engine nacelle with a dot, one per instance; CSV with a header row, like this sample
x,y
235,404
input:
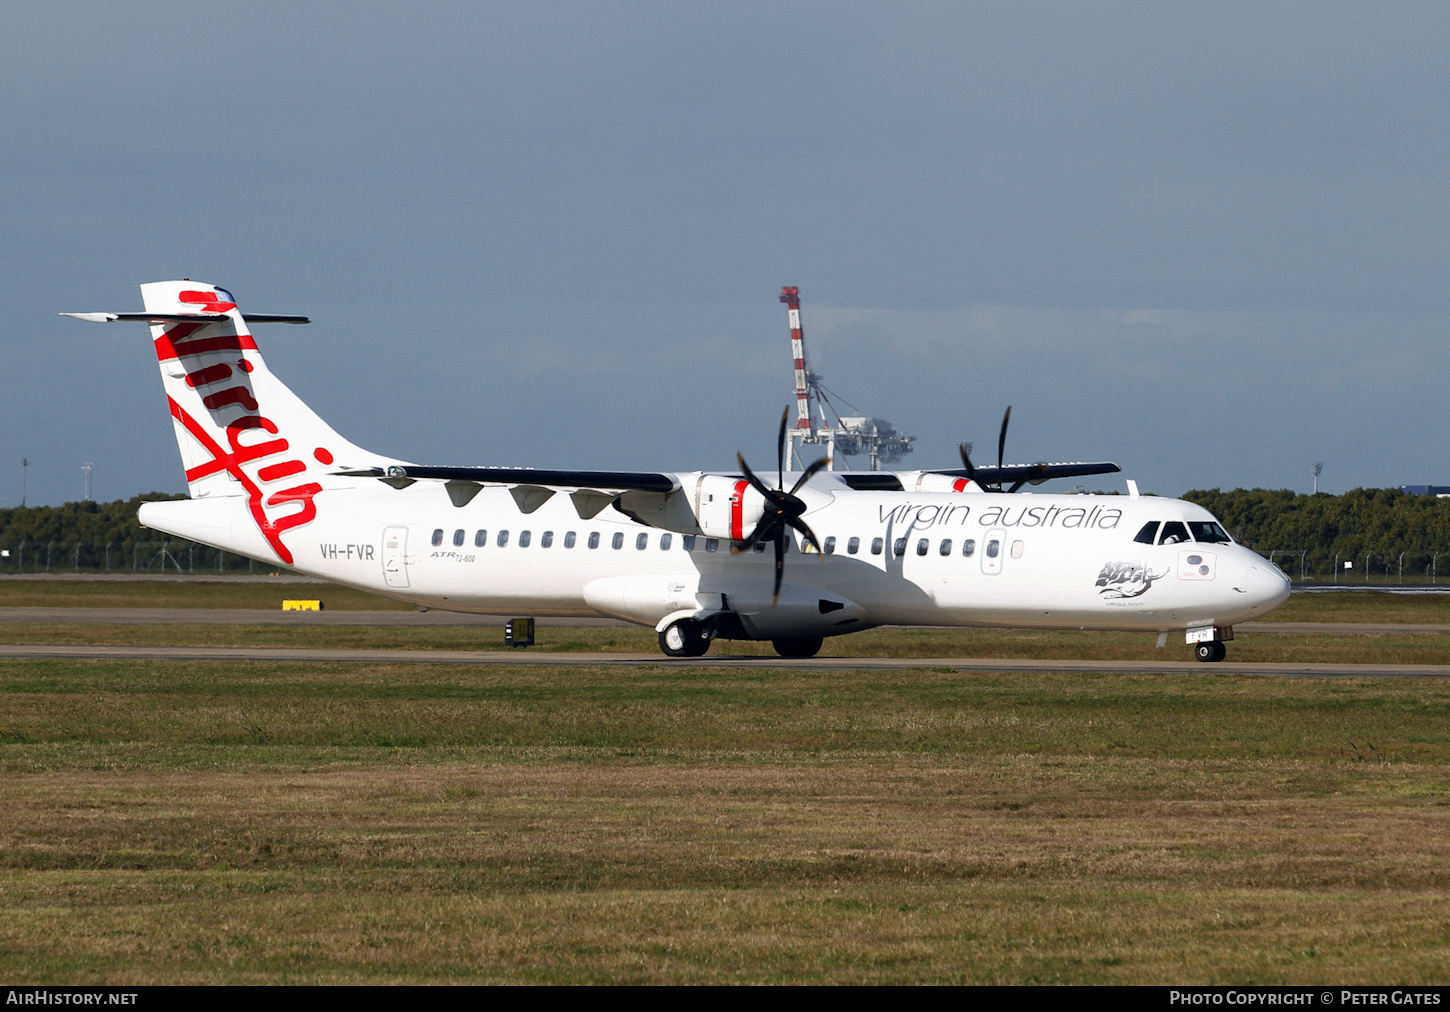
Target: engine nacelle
x,y
935,481
727,507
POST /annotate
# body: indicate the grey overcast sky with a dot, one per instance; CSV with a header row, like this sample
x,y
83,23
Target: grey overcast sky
x,y
1207,241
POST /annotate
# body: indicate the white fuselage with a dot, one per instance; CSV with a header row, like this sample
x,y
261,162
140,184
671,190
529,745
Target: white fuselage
x,y
1048,561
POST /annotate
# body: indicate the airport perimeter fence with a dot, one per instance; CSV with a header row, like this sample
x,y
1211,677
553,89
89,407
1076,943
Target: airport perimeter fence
x,y
168,556
1387,565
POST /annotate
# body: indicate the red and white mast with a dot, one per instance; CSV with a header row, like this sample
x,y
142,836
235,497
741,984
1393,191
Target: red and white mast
x,y
791,296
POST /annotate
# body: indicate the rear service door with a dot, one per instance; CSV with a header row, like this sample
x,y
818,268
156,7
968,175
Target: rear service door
x,y
395,556
993,545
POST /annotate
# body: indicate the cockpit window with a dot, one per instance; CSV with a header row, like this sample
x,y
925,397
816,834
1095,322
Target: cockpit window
x,y
1208,532
1148,533
1173,533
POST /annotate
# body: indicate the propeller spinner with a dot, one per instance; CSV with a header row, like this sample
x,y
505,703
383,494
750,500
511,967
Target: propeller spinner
x,y
782,509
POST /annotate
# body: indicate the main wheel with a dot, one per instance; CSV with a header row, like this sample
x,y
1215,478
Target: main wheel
x,y
806,647
1210,652
685,638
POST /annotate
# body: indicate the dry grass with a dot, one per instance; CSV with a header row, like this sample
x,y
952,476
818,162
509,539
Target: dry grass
x,y
999,870
172,822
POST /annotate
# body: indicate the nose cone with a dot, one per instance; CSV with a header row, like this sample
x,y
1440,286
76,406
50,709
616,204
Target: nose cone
x,y
1267,587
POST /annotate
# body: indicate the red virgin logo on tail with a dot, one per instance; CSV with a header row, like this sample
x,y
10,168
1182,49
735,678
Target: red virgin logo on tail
x,y
237,455
231,462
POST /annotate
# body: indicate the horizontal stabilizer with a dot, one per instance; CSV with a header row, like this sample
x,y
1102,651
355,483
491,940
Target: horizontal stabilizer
x,y
643,481
183,317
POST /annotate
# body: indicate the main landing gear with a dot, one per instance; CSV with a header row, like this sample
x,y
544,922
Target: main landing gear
x,y
1211,651
685,638
689,637
807,646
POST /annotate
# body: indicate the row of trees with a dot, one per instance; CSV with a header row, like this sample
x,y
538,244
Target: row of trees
x,y
101,536
1382,532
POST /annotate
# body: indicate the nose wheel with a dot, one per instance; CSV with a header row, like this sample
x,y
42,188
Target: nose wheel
x,y
1210,652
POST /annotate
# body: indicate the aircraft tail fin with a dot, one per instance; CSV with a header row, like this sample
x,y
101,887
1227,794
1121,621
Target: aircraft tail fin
x,y
241,431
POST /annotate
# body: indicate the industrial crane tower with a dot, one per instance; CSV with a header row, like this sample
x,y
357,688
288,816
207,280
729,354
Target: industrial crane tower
x,y
854,435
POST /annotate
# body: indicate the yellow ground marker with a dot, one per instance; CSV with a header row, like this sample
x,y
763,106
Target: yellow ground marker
x,y
301,605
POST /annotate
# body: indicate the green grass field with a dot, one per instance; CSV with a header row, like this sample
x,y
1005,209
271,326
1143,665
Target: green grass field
x,y
177,822
170,822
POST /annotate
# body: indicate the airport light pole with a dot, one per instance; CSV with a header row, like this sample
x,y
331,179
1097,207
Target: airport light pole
x,y
24,480
1316,469
86,467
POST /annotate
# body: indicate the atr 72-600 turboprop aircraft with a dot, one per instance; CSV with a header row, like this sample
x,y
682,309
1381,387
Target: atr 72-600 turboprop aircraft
x,y
683,552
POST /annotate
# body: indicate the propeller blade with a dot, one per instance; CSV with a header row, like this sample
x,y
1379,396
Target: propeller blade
x,y
779,561
759,485
811,472
780,449
1002,440
967,463
808,534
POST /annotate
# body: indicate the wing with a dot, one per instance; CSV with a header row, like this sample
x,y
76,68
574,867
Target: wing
x,y
1033,473
624,481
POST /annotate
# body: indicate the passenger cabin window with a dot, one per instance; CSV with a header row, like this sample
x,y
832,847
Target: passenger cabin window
x,y
617,542
458,537
689,542
969,548
480,538
712,544
831,545
898,547
876,546
438,537
923,546
1174,533
853,546
546,540
993,547
503,538
665,540
1148,533
524,538
569,540
1016,549
946,546
593,539
1208,532
641,542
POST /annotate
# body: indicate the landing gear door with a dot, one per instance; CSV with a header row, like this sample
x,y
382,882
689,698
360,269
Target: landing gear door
x,y
992,548
395,556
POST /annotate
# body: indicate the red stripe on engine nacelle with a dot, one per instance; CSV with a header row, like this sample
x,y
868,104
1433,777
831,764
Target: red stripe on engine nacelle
x,y
737,511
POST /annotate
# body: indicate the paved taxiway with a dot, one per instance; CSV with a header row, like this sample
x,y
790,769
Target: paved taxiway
x,y
271,616
721,660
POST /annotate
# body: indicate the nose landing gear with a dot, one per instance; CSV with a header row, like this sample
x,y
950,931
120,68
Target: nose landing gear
x,y
1211,651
